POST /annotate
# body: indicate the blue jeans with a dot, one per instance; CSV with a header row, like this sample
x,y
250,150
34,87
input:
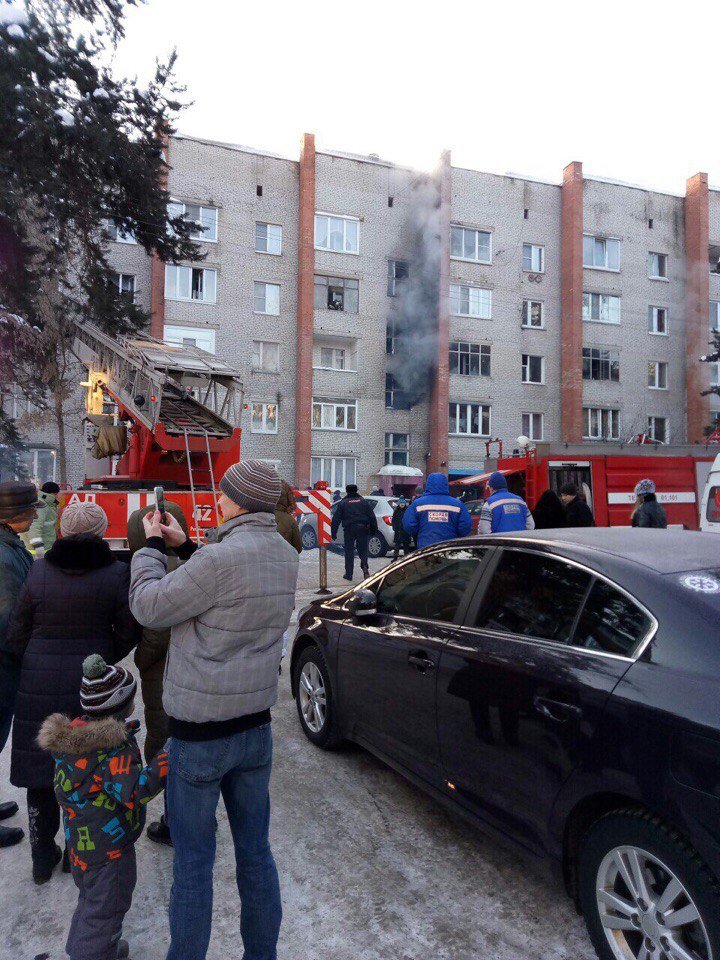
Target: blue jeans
x,y
238,767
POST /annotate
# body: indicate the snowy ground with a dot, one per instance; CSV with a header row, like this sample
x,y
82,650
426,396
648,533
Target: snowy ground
x,y
370,868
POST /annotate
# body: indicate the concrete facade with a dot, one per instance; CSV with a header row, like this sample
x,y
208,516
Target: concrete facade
x,y
248,187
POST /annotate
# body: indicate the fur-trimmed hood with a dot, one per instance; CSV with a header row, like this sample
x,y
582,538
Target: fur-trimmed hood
x,y
76,738
80,553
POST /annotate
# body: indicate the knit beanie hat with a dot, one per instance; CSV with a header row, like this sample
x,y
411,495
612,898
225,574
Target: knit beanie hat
x,y
84,517
105,689
252,485
643,487
497,481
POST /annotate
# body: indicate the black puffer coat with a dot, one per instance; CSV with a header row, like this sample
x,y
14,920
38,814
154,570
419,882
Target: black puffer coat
x,y
73,603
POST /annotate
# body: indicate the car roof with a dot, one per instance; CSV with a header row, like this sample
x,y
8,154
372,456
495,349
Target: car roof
x,y
664,551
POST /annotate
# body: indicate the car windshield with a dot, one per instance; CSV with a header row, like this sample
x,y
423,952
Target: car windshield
x,y
703,585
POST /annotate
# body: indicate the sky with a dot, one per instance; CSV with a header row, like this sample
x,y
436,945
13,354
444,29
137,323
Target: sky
x,y
631,89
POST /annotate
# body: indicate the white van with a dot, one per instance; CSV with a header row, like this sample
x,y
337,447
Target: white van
x,y
710,510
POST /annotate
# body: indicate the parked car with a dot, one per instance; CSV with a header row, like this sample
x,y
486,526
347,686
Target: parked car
x,y
559,689
474,509
378,544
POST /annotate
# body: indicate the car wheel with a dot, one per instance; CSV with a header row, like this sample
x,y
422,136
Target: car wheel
x,y
314,698
644,892
377,546
309,538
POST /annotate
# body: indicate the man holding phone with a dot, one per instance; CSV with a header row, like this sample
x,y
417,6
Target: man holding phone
x,y
228,607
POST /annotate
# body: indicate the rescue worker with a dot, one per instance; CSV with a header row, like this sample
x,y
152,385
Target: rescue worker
x,y
503,511
43,532
402,539
436,516
358,521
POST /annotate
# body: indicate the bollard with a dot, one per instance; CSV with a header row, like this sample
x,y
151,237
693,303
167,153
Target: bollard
x,y
323,571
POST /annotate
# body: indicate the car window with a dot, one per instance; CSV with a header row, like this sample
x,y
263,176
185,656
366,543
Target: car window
x,y
611,622
534,596
712,512
430,587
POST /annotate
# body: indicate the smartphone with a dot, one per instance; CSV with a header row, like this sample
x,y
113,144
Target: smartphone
x,y
160,503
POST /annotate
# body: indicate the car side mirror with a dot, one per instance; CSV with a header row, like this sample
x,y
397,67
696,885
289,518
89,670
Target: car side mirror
x,y
363,603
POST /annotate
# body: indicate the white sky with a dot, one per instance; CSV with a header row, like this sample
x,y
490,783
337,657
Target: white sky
x,y
631,89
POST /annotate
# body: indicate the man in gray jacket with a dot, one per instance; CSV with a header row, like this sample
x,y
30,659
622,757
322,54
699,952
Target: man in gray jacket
x,y
227,606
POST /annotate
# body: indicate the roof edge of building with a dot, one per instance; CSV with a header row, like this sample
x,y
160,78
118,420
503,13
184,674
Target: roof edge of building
x,y
235,147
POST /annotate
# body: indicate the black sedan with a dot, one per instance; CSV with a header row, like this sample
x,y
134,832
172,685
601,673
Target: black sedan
x,y
560,689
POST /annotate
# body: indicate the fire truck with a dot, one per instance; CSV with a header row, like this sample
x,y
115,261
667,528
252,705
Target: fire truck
x,y
157,414
605,474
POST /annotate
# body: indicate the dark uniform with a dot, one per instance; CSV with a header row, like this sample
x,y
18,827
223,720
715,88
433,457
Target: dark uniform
x,y
357,519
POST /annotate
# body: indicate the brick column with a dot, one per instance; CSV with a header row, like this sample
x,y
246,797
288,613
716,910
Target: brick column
x,y
440,395
571,304
305,312
157,268
697,307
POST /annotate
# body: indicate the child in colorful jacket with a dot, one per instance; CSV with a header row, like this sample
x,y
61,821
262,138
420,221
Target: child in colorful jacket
x,y
103,790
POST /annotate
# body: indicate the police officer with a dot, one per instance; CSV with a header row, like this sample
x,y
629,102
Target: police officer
x,y
358,521
503,511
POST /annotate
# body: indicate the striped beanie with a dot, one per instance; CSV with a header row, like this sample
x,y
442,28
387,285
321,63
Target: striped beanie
x,y
252,485
105,689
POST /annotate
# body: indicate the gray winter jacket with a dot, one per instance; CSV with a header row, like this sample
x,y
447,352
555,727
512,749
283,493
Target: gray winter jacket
x,y
228,607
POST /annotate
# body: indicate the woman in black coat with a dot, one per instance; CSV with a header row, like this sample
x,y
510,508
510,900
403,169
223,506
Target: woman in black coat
x,y
74,602
549,512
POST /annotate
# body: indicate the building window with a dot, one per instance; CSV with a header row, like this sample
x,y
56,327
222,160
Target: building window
x,y
266,356
657,375
390,337
117,235
190,337
533,258
263,417
470,302
657,429
396,449
601,308
338,234
14,404
125,283
469,419
657,266
40,463
334,414
267,298
470,359
533,314
398,270
599,364
205,219
190,283
601,252
395,398
475,245
268,238
336,293
657,321
601,424
533,369
335,471
715,314
333,358
533,425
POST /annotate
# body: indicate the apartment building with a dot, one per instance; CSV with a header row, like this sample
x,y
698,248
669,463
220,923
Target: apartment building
x,y
565,311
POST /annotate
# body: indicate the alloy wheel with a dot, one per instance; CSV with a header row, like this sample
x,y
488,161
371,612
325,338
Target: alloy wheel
x,y
645,910
313,698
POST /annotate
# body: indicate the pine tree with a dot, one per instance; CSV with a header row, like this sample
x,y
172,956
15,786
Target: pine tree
x,y
79,149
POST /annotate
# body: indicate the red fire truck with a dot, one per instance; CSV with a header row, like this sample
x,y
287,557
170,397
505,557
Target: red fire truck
x,y
606,474
157,414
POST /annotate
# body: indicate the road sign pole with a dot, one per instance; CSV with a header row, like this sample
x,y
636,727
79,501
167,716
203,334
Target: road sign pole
x,y
322,552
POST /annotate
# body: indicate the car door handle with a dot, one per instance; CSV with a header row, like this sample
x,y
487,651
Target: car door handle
x,y
556,710
421,661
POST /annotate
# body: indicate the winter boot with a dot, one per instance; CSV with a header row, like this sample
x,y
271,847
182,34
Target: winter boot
x,y
9,836
159,832
8,809
123,950
41,872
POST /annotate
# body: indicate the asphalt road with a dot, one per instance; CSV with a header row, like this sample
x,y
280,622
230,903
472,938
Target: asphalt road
x,y
370,868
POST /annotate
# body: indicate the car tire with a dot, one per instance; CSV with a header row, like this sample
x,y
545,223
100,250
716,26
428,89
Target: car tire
x,y
377,546
635,840
318,719
309,538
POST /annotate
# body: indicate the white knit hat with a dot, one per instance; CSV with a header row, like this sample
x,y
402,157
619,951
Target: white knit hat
x,y
83,517
644,486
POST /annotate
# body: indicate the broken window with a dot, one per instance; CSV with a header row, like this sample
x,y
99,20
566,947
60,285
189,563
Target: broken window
x,y
395,398
390,337
599,364
470,359
337,293
398,270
